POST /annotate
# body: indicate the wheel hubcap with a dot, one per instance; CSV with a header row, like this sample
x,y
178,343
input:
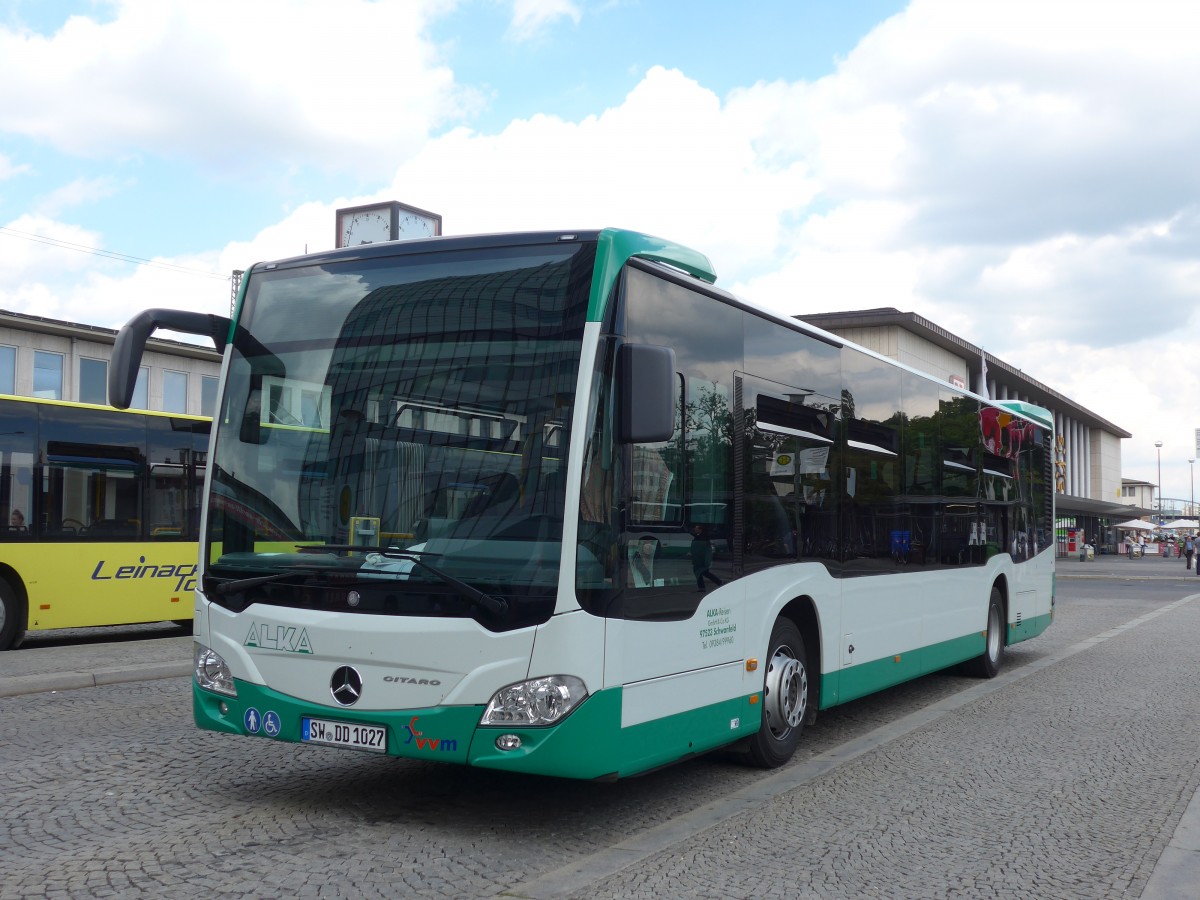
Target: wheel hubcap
x,y
993,635
786,692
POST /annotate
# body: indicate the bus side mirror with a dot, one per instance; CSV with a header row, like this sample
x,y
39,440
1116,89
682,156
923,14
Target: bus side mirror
x,y
131,344
646,393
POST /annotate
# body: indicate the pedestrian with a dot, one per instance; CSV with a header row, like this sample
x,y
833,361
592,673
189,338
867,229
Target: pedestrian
x,y
641,566
702,557
1189,547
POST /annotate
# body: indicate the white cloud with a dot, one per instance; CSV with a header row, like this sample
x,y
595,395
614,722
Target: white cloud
x,y
531,18
9,169
61,271
33,254
80,191
666,161
333,83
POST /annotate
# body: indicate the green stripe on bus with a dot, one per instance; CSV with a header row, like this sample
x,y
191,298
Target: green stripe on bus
x,y
1029,628
590,743
858,681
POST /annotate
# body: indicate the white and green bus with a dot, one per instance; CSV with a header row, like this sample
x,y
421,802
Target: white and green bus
x,y
554,503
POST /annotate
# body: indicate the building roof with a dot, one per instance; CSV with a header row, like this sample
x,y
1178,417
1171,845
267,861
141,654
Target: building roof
x,y
1068,505
998,370
43,325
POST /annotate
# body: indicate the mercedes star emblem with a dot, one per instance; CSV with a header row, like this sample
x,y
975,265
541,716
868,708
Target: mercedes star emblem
x,y
346,685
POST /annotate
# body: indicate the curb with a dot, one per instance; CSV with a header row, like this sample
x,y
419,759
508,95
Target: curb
x,y
18,685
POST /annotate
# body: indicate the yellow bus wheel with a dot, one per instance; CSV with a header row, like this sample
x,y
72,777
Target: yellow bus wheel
x,y
12,617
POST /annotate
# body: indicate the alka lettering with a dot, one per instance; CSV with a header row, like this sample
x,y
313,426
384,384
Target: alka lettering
x,y
287,638
183,576
718,630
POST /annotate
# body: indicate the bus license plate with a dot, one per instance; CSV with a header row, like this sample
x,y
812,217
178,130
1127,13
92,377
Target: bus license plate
x,y
344,734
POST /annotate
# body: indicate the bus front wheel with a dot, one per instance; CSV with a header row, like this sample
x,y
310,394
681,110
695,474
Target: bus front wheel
x,y
12,615
785,697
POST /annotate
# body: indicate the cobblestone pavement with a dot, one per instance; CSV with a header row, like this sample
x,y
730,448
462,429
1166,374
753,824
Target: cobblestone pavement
x,y
1064,778
1067,783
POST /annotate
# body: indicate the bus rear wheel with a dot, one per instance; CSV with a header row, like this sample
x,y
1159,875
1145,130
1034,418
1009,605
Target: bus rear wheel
x,y
12,615
785,697
987,664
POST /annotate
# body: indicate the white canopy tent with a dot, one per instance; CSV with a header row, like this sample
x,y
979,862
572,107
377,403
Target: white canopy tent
x,y
1137,525
1187,524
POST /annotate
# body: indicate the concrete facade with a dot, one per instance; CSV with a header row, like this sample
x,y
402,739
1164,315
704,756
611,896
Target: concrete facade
x,y
182,372
1137,493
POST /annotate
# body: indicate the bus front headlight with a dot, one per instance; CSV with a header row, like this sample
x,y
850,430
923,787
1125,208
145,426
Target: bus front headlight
x,y
212,673
540,701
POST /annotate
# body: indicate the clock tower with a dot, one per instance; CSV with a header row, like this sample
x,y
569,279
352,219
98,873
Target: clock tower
x,y
385,221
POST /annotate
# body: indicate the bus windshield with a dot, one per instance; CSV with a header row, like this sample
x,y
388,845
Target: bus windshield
x,y
401,421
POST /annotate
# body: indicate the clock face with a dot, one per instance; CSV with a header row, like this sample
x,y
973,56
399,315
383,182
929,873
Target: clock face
x,y
413,225
370,226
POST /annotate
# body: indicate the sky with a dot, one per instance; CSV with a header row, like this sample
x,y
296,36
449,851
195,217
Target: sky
x,y
1024,174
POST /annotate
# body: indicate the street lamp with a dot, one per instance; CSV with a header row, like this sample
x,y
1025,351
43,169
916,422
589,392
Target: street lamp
x,y
1158,446
1192,476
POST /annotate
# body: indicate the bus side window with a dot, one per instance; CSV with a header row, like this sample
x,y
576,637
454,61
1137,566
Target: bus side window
x,y
16,471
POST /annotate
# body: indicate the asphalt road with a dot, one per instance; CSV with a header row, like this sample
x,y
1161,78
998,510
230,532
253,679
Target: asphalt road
x,y
1073,774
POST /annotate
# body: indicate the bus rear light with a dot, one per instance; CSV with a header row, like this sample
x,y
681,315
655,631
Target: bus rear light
x,y
540,701
212,673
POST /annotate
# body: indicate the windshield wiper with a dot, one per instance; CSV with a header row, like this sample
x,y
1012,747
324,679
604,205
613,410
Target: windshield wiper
x,y
242,584
497,606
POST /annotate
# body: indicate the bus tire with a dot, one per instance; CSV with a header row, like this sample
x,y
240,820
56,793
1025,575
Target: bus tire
x,y
785,697
12,617
987,664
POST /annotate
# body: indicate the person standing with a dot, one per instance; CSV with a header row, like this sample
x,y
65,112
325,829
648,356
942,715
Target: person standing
x,y
1189,547
641,566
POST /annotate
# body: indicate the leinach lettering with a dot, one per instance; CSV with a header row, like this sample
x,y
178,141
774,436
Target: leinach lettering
x,y
183,575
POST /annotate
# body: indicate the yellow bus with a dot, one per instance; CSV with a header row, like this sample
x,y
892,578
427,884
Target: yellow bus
x,y
99,513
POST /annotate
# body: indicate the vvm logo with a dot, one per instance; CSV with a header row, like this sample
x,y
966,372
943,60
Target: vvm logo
x,y
445,745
